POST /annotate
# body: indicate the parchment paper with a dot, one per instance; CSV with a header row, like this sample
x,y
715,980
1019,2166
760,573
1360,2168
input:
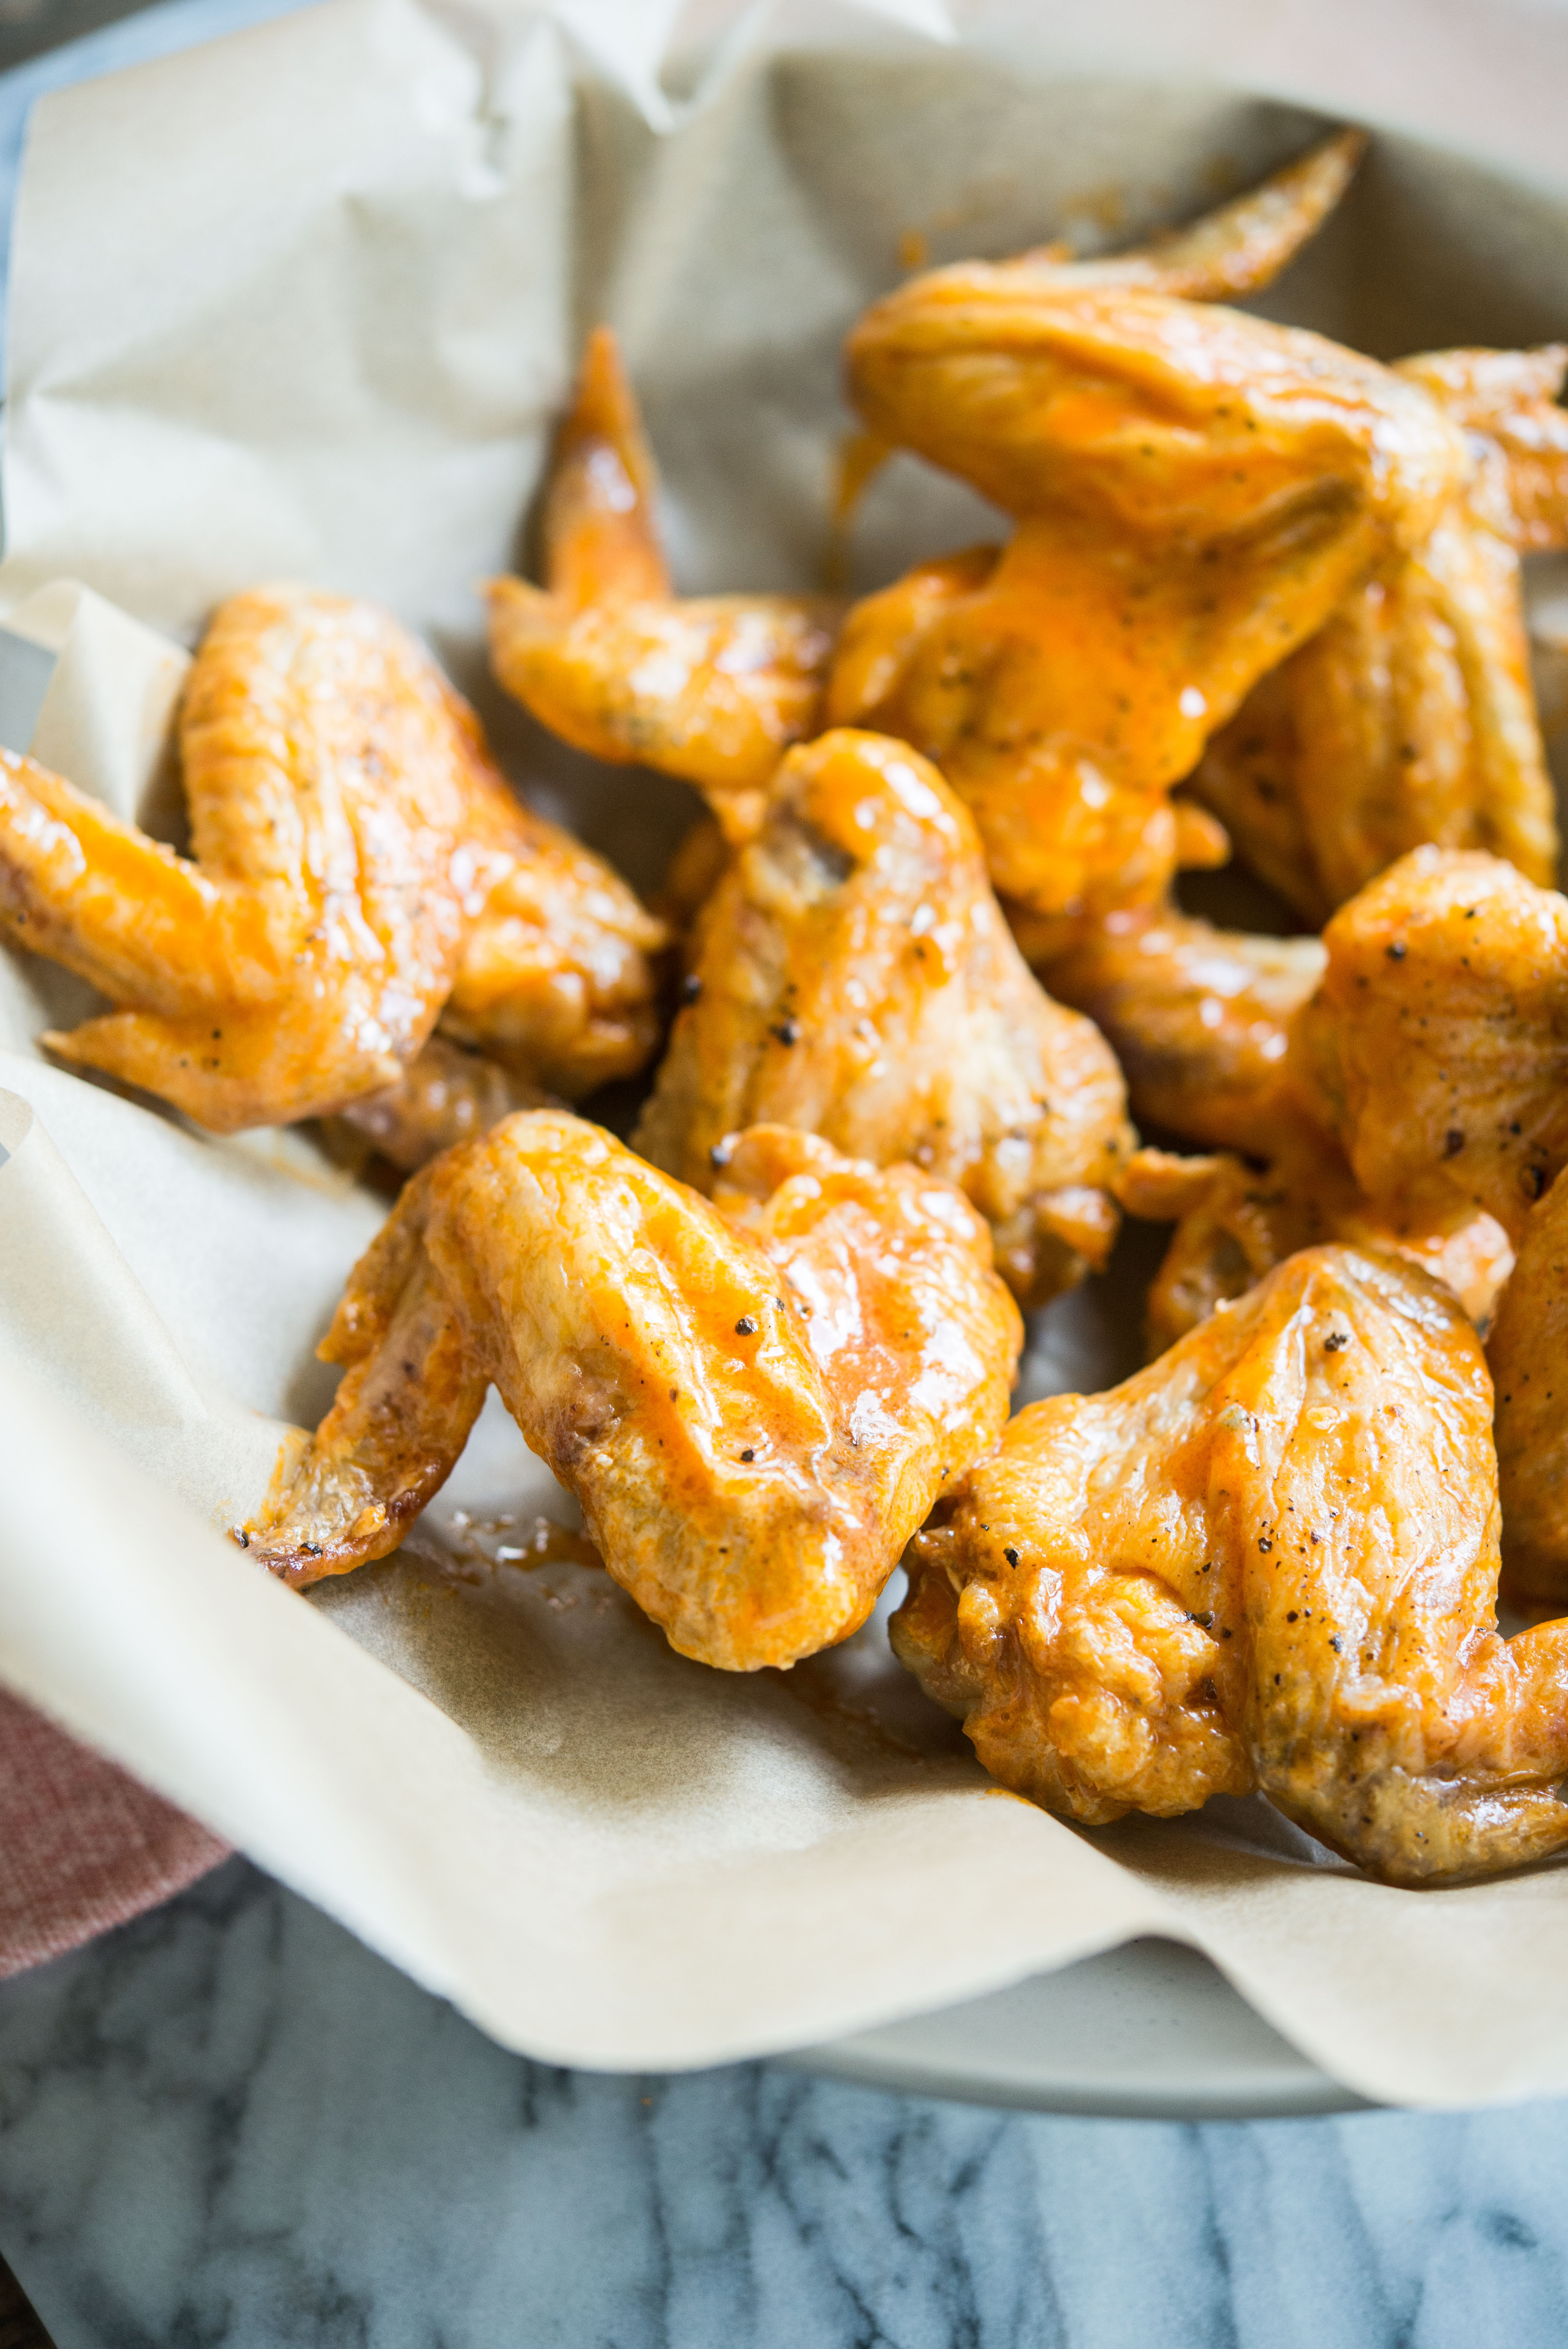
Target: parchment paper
x,y
305,302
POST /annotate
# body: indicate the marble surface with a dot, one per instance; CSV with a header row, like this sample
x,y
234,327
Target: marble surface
x,y
230,2124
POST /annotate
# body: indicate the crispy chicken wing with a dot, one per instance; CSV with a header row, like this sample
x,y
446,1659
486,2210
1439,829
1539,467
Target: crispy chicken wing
x,y
1237,1218
1529,1354
1268,1560
1196,491
348,837
1437,1045
1410,717
711,689
557,978
854,978
756,1408
303,957
1199,1017
1233,250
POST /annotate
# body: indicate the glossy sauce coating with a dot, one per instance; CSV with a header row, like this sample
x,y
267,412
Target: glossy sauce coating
x,y
1437,1044
558,979
348,838
853,978
1528,1350
1410,717
756,1407
711,689
1268,1560
1195,491
1199,1017
301,954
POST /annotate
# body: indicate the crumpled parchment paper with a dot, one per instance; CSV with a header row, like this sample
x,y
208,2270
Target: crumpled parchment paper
x,y
305,302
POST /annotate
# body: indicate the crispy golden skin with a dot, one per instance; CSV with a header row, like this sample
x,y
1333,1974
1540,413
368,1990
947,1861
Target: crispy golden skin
x,y
755,1408
1233,250
1199,1017
1437,1045
854,977
354,854
1529,1354
302,957
1195,491
1238,1217
557,980
712,688
1268,1560
1410,717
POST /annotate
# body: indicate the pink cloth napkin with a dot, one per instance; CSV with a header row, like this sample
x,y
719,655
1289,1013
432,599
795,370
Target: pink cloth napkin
x,y
82,1846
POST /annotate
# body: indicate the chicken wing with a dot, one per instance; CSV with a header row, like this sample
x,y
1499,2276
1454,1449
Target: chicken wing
x,y
1237,1218
1199,1017
756,1408
1410,717
1195,491
558,979
1437,1045
1269,1560
1529,1355
1236,249
349,837
854,978
712,688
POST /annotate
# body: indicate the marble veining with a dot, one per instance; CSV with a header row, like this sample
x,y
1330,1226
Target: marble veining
x,y
229,2126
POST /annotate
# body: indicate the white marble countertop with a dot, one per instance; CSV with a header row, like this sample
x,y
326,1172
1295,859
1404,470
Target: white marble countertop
x,y
230,2127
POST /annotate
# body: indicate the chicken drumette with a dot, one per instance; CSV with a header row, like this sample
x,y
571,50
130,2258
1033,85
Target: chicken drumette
x,y
1269,1560
755,1407
712,688
854,977
1437,1045
1410,717
1195,492
1199,1017
356,862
